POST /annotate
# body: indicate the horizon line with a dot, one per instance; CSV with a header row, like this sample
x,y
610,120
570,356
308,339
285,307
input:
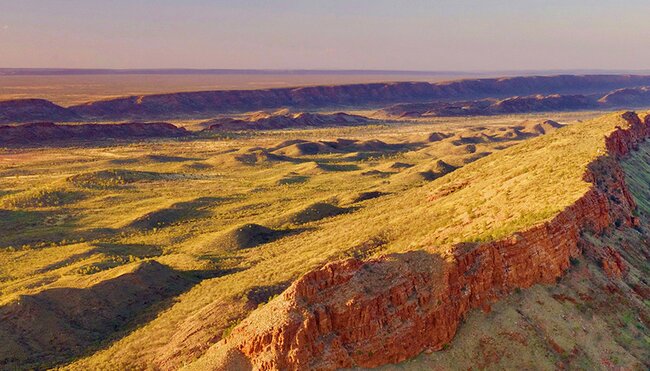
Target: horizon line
x,y
24,71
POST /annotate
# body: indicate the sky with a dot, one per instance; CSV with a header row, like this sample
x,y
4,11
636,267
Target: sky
x,y
442,35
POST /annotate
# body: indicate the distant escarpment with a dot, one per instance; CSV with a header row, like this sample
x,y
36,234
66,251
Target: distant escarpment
x,y
388,309
630,97
621,98
206,103
31,110
485,107
48,132
282,120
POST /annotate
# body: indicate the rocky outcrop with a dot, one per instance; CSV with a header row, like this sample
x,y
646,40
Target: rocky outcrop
x,y
286,120
196,104
622,141
31,110
48,132
385,310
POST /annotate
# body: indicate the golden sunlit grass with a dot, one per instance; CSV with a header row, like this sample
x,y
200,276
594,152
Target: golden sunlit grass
x,y
195,206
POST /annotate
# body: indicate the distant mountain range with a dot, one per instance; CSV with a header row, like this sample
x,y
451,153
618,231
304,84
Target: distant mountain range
x,y
574,92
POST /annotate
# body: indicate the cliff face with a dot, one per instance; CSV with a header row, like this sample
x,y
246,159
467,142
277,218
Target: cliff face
x,y
211,102
48,132
385,310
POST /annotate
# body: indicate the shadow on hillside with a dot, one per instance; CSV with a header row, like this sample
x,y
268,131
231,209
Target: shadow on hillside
x,y
56,325
29,227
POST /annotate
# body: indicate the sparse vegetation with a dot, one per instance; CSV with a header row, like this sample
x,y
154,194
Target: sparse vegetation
x,y
40,198
253,224
112,178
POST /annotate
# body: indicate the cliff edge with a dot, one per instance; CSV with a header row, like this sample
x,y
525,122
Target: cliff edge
x,y
387,309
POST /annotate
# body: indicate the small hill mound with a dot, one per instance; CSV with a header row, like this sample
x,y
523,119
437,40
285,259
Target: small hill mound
x,y
257,156
422,173
309,168
31,110
306,149
442,167
176,213
364,196
476,156
437,136
438,169
283,120
286,143
471,138
340,145
469,148
315,212
375,145
400,165
540,128
248,156
37,198
112,178
245,237
292,178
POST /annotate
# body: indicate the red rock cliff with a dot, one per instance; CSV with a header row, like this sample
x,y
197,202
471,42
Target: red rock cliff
x,y
386,310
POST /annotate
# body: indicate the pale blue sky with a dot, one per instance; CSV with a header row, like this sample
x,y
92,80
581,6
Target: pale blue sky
x,y
324,34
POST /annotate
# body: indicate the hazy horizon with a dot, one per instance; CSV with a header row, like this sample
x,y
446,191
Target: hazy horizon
x,y
298,71
380,35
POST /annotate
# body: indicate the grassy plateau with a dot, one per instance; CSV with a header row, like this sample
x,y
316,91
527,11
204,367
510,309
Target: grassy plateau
x,y
229,220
